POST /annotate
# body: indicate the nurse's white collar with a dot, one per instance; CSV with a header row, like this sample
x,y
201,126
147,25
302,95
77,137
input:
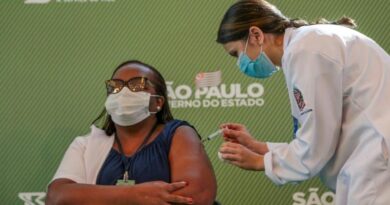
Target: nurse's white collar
x,y
286,41
287,37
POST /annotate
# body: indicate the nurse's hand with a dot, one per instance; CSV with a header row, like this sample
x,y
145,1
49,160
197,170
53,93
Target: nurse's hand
x,y
241,156
237,133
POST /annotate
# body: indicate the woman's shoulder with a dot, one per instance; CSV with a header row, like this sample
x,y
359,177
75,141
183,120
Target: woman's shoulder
x,y
175,124
171,127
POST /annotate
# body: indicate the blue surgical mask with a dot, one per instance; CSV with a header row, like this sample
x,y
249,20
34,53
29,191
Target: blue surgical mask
x,y
261,67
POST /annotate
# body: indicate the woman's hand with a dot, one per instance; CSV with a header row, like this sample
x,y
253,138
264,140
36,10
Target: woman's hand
x,y
237,133
242,157
156,193
66,191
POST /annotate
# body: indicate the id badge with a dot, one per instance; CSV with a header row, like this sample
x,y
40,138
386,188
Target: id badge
x,y
122,182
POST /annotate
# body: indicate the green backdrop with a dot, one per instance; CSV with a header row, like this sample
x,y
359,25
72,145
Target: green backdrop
x,y
56,55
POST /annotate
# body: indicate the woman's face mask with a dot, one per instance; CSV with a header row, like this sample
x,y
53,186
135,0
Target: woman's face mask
x,y
128,108
261,67
127,101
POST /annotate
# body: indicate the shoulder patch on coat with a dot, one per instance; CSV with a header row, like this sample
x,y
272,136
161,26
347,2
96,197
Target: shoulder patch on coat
x,y
299,98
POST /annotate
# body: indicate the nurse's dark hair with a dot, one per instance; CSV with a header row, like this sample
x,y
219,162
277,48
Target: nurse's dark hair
x,y
163,116
246,13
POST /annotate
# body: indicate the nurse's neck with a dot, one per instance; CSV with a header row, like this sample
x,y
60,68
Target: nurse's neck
x,y
275,50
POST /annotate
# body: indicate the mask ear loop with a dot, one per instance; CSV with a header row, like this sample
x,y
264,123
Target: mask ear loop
x,y
246,44
261,48
239,56
261,51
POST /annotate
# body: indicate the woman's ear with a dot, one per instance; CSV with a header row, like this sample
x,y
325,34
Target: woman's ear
x,y
160,103
256,35
156,104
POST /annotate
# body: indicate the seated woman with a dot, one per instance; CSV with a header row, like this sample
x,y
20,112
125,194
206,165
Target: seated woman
x,y
140,156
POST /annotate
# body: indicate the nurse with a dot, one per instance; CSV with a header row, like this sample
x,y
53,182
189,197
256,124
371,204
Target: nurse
x,y
338,83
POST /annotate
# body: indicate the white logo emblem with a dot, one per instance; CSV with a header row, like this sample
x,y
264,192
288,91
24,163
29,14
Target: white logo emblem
x,y
33,198
36,1
313,198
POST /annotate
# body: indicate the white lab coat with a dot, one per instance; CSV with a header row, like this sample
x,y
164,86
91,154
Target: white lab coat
x,y
85,157
339,88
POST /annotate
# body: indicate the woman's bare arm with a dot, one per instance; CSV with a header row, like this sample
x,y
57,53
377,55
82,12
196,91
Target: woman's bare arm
x,y
189,162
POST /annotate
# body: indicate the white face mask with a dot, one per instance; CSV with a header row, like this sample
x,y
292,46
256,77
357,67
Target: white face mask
x,y
128,108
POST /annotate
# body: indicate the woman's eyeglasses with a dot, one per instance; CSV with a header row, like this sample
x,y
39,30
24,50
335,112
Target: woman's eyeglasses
x,y
135,84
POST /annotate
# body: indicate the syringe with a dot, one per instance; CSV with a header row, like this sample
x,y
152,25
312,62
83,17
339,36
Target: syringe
x,y
212,136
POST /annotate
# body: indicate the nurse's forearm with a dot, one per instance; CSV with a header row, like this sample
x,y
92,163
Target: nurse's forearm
x,y
258,147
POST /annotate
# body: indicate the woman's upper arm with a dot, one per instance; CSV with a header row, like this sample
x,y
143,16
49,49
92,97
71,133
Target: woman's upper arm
x,y
189,162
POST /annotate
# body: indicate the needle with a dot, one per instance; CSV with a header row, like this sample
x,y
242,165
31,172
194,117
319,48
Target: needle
x,y
212,136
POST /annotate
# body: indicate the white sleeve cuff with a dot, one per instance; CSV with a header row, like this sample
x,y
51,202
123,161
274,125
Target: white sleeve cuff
x,y
268,169
272,145
269,163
